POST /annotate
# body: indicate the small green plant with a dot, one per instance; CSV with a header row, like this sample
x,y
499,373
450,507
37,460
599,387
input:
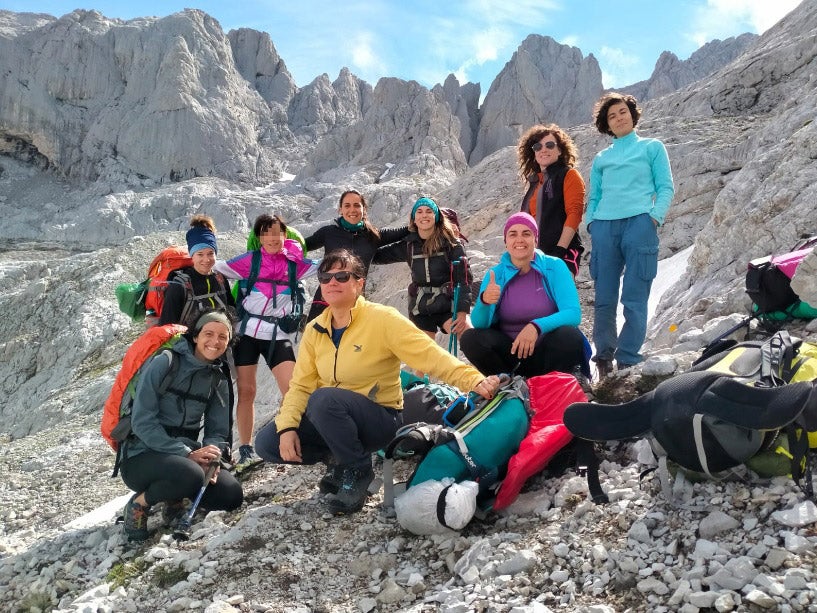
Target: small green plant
x,y
36,602
121,574
165,576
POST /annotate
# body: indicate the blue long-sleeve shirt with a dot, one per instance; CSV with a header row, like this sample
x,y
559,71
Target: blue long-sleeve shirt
x,y
630,177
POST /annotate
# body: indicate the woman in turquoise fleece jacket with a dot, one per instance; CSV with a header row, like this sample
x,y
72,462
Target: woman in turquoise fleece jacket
x,y
630,191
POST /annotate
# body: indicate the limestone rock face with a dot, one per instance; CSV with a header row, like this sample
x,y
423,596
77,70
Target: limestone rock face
x,y
464,103
770,198
406,126
544,81
259,63
323,105
147,99
671,74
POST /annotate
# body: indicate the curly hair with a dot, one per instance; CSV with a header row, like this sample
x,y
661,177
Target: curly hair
x,y
526,157
602,108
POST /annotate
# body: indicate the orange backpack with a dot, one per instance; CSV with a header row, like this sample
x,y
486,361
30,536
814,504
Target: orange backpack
x,y
165,262
115,426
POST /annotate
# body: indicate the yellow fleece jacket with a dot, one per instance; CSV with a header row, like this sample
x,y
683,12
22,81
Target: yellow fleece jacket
x,y
367,360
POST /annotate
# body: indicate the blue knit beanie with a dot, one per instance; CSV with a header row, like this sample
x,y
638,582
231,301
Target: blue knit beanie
x,y
430,204
200,238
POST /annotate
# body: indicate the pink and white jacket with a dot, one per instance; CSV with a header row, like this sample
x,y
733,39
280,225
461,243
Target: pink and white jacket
x,y
273,282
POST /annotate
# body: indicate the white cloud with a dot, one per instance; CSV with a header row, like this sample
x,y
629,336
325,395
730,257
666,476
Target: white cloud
x,y
725,18
572,40
364,58
618,66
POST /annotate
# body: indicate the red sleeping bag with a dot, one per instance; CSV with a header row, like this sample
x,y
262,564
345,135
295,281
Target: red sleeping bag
x,y
550,395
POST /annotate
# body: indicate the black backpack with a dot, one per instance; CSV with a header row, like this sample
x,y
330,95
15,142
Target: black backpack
x,y
717,417
769,286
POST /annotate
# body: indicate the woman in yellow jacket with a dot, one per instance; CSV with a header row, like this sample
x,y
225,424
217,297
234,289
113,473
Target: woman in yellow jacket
x,y
345,397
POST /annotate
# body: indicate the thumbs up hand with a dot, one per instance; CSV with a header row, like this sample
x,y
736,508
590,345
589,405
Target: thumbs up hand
x,y
490,295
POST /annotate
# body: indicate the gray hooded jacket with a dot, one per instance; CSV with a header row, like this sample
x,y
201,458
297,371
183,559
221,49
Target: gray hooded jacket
x,y
169,423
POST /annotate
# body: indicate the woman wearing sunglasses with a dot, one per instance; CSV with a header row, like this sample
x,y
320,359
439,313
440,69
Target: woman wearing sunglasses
x,y
555,196
345,398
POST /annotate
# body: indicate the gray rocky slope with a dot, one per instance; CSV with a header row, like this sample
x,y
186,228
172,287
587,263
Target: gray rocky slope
x,y
742,145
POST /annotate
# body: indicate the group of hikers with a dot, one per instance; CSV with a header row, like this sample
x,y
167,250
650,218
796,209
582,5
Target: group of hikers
x,y
342,395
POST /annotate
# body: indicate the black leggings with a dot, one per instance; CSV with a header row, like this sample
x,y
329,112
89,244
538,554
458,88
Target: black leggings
x,y
489,350
167,477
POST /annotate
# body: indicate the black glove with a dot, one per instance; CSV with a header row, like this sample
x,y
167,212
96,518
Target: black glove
x,y
559,252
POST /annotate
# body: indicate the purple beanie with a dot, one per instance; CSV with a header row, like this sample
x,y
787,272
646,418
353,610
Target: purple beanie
x,y
521,218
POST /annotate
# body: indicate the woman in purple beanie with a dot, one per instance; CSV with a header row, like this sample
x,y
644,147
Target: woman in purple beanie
x,y
527,313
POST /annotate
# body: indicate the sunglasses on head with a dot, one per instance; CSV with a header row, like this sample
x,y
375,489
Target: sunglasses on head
x,y
341,276
548,145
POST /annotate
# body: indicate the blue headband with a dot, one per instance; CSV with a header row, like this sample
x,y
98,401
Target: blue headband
x,y
430,204
200,238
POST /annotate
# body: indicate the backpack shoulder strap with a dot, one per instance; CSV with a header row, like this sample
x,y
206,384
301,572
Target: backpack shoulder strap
x,y
172,370
255,270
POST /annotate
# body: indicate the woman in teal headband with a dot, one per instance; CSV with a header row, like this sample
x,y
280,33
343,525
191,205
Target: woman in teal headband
x,y
439,270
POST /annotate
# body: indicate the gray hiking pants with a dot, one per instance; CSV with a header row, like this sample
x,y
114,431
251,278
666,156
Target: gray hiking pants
x,y
338,424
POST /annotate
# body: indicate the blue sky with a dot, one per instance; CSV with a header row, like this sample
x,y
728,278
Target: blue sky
x,y
426,40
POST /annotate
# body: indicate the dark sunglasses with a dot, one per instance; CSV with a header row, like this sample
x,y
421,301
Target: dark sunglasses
x,y
341,276
548,145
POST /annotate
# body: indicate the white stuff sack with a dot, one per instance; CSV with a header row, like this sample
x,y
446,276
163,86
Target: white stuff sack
x,y
417,508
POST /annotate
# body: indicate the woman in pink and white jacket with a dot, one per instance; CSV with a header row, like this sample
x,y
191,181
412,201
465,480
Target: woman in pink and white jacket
x,y
268,291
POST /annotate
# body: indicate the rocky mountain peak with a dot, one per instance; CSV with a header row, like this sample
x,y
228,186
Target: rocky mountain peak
x,y
544,81
671,73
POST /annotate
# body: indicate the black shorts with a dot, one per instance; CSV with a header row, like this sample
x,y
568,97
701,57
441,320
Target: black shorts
x,y
430,323
249,349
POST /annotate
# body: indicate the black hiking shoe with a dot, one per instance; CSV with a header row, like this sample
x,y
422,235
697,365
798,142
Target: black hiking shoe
x,y
584,383
353,489
247,460
136,521
330,482
174,510
603,367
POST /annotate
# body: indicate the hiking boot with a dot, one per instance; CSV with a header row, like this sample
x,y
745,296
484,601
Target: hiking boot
x,y
136,521
174,510
603,367
353,489
624,365
247,459
330,482
584,383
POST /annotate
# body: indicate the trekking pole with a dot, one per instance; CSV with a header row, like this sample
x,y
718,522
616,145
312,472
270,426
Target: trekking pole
x,y
455,303
182,531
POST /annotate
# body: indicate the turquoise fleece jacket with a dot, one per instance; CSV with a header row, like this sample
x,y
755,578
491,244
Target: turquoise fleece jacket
x,y
630,177
558,283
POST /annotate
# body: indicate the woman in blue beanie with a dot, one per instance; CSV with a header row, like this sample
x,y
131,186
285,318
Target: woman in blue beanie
x,y
197,288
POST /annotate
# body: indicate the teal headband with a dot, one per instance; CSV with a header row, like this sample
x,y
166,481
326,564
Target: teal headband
x,y
430,204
